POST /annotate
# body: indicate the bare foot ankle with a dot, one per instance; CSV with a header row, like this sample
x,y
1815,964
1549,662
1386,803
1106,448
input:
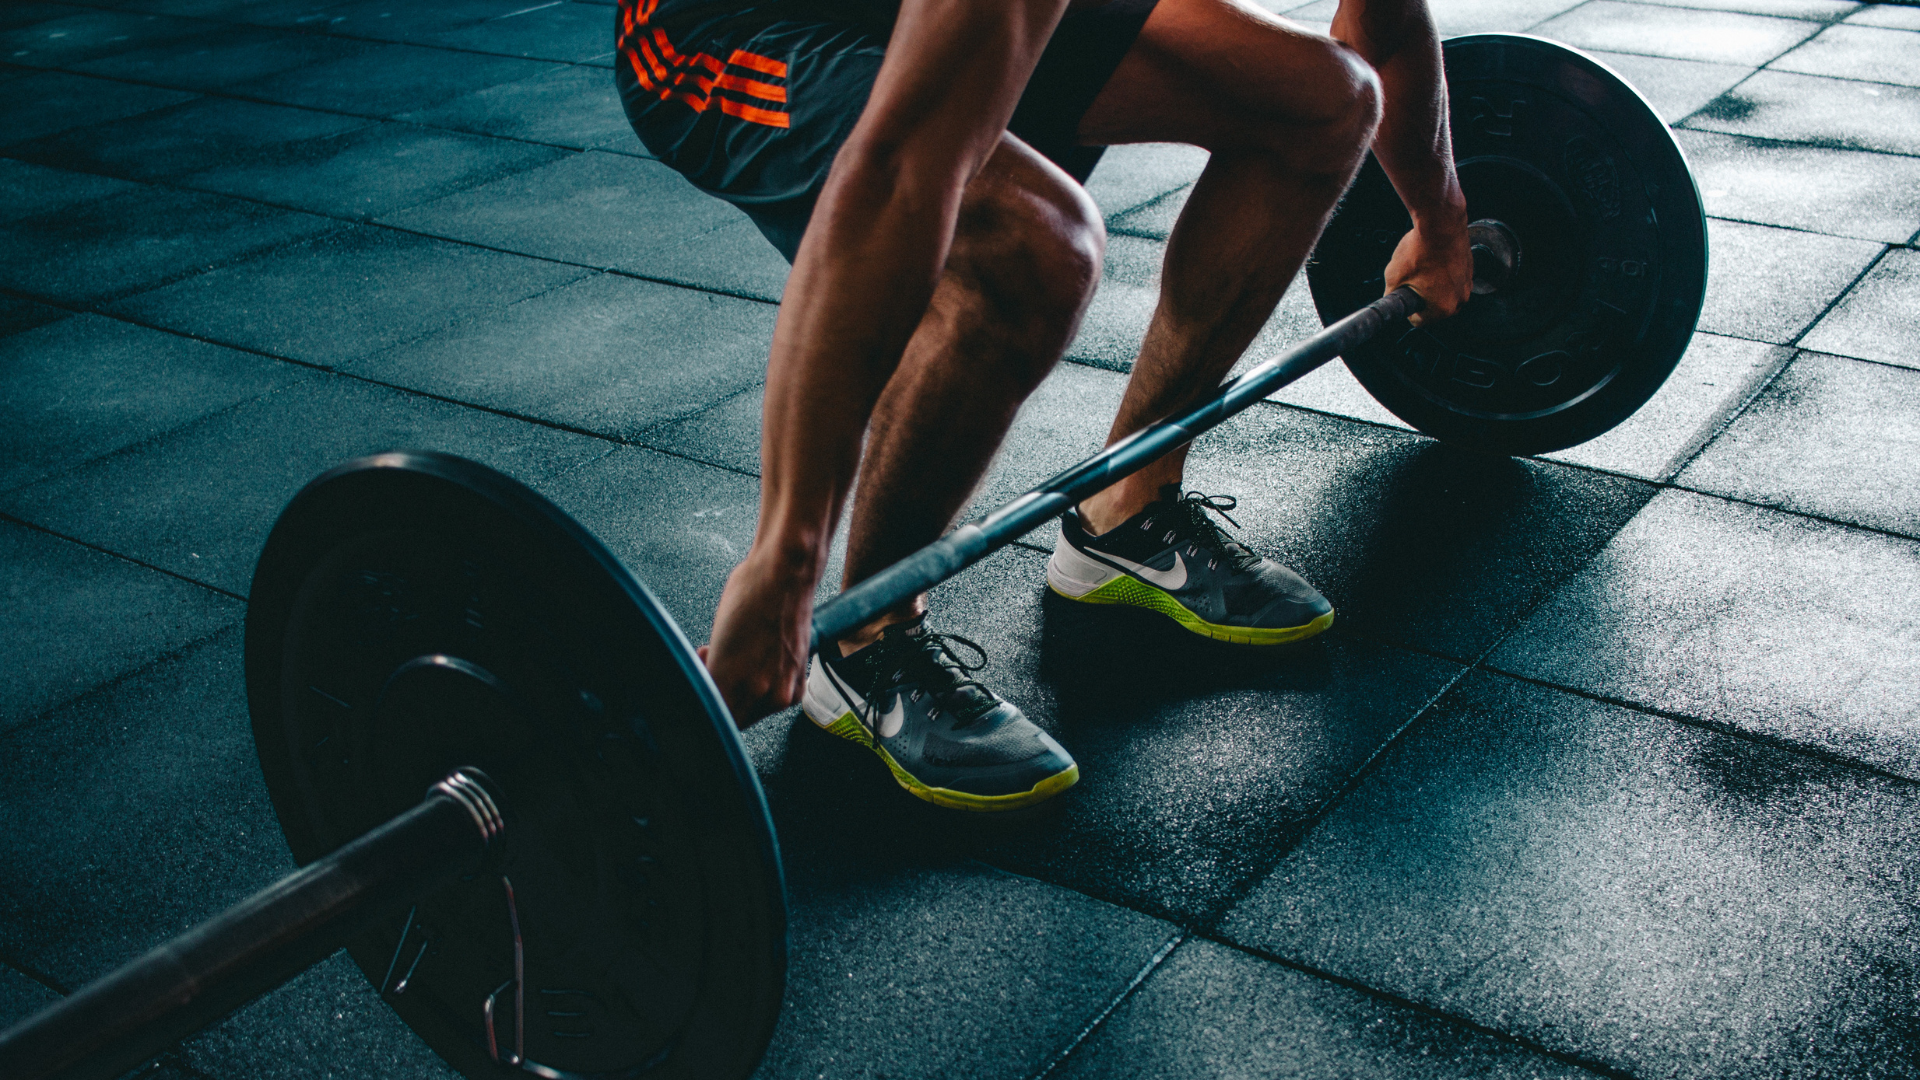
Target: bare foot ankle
x,y
1104,511
872,632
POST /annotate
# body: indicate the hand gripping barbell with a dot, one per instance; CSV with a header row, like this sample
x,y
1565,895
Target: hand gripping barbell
x,y
590,885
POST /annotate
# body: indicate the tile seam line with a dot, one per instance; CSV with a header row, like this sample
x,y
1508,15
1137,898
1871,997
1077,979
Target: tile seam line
x,y
1872,265
1310,822
304,31
226,94
368,223
1684,124
1307,823
1721,727
1734,416
91,546
1802,230
1722,11
323,369
104,685
10,959
1413,1005
1054,1063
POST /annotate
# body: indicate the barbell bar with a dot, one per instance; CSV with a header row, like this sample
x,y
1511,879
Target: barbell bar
x,y
591,886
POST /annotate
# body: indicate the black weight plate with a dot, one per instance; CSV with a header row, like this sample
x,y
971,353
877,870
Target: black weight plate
x,y
416,612
1613,256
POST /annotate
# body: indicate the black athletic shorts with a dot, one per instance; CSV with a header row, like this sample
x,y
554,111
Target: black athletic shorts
x,y
751,101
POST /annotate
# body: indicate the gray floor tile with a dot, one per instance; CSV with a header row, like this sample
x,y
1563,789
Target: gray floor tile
x,y
27,190
1825,112
1715,377
1778,625
386,79
610,355
87,386
75,618
417,23
373,170
1770,284
568,106
329,1018
570,32
1897,16
69,40
736,259
222,58
1837,192
186,138
346,295
1483,16
726,433
605,210
1654,898
680,526
50,102
1858,52
200,501
1214,1011
1686,33
991,974
138,240
1880,318
17,315
258,12
1833,437
1817,10
21,997
1675,88
1129,176
137,812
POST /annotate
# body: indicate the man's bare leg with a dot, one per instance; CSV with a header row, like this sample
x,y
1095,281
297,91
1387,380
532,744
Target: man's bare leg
x,y
1026,258
1287,116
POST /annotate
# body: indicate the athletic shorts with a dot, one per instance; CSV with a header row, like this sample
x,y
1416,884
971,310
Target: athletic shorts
x,y
751,103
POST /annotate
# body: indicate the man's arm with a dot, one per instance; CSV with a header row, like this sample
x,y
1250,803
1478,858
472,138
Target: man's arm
x,y
861,282
1399,39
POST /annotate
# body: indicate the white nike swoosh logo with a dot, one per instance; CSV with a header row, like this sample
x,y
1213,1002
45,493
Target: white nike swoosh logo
x,y
895,718
1169,580
890,722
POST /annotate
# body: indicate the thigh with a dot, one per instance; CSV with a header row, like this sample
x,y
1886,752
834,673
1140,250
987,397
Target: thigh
x,y
1219,74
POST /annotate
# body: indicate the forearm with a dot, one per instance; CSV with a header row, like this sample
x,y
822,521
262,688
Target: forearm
x,y
1413,143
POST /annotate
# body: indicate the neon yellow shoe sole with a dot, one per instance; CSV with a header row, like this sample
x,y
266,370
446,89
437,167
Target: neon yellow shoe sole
x,y
849,727
1132,592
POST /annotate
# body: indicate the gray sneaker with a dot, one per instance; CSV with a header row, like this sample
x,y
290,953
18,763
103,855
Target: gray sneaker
x,y
1172,558
947,738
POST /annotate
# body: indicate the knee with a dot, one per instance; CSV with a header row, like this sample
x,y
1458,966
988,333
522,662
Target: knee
x,y
1324,116
1032,255
1358,102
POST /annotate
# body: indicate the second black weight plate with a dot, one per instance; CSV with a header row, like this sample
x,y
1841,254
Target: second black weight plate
x,y
412,613
1613,264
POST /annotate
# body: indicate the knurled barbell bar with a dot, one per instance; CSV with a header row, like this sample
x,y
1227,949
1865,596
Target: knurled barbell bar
x,y
591,885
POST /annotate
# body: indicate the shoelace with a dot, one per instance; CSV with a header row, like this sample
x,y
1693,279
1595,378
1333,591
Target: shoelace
x,y
1199,530
926,652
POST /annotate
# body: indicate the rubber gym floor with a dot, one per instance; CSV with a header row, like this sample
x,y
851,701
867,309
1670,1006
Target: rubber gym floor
x,y
1611,764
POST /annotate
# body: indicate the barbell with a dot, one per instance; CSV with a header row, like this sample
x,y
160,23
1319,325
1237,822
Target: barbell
x,y
590,886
